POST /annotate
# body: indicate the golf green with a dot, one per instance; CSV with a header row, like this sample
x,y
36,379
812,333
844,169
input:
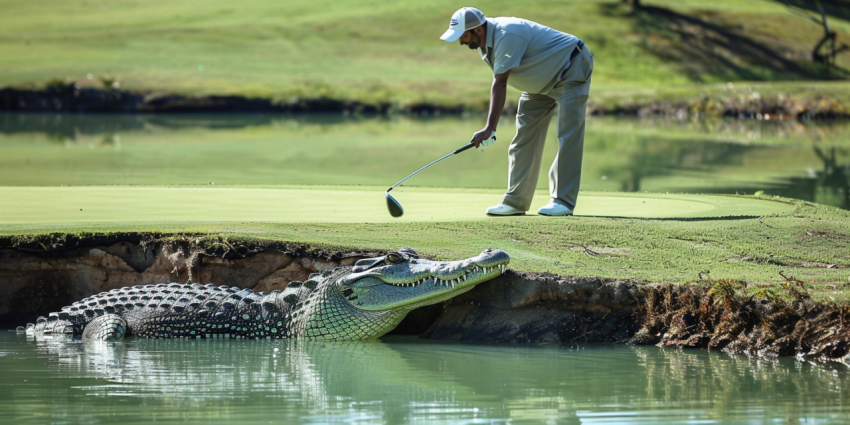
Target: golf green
x,y
23,206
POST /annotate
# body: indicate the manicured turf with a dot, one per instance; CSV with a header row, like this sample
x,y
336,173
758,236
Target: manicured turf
x,y
811,242
390,50
35,206
126,177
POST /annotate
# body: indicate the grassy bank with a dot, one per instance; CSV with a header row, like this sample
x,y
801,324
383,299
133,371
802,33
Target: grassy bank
x,y
83,175
389,52
810,242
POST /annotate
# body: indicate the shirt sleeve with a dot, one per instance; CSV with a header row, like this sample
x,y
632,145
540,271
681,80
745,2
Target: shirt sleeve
x,y
508,52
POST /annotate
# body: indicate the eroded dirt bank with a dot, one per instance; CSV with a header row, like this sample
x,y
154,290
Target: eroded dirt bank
x,y
513,308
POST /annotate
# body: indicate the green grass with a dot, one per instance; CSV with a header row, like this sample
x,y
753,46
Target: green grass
x,y
811,242
34,206
383,50
389,51
248,158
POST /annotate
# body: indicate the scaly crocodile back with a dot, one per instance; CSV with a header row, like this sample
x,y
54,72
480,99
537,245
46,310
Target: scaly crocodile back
x,y
185,311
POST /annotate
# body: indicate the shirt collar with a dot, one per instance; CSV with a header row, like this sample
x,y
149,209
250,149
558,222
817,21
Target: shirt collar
x,y
491,30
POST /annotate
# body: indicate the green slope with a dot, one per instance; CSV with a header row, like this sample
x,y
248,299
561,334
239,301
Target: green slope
x,y
608,238
376,50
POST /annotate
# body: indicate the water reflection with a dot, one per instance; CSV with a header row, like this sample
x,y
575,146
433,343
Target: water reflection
x,y
662,160
71,127
809,161
405,380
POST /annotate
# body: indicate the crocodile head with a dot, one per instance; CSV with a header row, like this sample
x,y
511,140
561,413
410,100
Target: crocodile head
x,y
371,298
401,280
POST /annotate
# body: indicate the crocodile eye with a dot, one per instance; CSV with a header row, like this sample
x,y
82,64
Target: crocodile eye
x,y
394,258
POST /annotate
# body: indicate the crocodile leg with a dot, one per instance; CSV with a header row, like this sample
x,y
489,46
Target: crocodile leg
x,y
109,327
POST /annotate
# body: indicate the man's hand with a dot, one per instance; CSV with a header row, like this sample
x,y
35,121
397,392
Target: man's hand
x,y
485,137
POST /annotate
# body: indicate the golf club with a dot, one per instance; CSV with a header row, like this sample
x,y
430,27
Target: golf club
x,y
395,208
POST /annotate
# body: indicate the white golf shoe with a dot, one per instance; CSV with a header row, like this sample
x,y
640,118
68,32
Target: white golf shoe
x,y
504,210
554,208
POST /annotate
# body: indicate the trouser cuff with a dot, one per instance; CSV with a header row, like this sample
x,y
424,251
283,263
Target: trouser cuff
x,y
515,202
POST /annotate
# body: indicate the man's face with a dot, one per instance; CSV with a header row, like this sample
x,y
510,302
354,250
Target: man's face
x,y
472,38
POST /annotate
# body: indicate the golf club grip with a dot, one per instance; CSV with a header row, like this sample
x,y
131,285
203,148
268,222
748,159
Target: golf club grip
x,y
470,145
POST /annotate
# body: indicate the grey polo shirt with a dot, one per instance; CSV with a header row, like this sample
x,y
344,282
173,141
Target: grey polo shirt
x,y
535,53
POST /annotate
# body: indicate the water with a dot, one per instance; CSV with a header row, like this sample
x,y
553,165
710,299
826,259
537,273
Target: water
x,y
403,380
809,161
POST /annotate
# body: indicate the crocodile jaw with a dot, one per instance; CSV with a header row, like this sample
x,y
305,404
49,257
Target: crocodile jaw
x,y
421,282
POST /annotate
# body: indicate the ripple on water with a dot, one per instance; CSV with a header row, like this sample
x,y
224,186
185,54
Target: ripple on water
x,y
403,380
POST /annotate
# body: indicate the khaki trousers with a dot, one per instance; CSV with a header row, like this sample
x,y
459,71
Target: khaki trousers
x,y
532,121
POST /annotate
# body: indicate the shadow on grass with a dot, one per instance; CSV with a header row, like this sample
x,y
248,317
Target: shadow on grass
x,y
706,47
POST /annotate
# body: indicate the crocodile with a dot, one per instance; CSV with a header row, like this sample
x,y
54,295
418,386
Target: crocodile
x,y
359,302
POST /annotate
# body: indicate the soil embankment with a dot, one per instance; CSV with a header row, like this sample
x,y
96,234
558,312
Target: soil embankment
x,y
513,308
75,99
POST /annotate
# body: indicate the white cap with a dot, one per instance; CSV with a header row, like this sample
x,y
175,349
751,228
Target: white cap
x,y
465,19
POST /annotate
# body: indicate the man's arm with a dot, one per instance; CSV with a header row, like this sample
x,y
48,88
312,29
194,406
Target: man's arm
x,y
497,103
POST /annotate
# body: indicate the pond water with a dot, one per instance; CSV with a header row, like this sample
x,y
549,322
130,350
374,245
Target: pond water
x,y
404,380
809,161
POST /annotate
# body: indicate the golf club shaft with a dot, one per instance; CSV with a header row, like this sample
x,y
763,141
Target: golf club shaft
x,y
417,171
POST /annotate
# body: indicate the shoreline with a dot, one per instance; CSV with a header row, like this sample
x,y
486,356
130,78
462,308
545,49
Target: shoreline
x,y
72,98
516,308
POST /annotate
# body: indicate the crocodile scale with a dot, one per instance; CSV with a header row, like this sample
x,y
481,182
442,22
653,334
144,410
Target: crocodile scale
x,y
345,303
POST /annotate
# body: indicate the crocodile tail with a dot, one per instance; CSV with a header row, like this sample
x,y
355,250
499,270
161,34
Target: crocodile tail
x,y
48,326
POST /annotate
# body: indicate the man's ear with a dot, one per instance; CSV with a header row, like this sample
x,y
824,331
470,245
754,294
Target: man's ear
x,y
481,31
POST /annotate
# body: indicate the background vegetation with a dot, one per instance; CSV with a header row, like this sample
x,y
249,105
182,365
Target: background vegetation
x,y
373,50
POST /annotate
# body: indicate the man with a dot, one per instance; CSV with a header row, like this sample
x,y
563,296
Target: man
x,y
552,69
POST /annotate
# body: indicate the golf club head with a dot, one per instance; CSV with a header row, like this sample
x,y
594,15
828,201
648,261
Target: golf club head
x,y
395,208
